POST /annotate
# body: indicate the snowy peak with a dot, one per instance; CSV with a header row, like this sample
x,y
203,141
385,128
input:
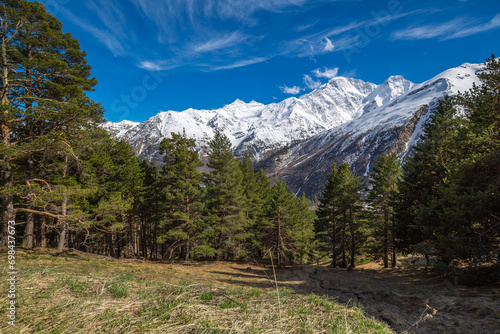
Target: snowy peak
x,y
341,106
459,79
392,88
397,112
119,129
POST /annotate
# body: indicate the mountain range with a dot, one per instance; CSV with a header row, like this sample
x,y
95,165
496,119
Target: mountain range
x,y
298,139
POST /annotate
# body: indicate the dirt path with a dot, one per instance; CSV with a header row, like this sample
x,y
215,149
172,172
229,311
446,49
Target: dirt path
x,y
396,296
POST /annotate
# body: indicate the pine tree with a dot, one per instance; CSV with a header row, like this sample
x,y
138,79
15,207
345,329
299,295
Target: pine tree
x,y
150,209
281,216
385,179
337,224
425,176
44,75
116,177
253,204
474,194
225,200
303,229
262,225
449,192
349,197
184,193
327,222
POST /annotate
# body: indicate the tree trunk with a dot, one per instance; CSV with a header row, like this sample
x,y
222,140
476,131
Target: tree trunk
x,y
118,244
9,214
64,227
28,231
43,237
186,256
110,245
62,236
344,258
353,238
334,242
386,238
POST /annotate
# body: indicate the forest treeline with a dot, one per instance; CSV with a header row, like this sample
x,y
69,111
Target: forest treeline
x,y
67,184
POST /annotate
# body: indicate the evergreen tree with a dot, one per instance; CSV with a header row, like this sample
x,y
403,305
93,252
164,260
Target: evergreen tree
x,y
450,188
385,178
425,175
303,233
337,224
349,196
44,75
116,178
327,222
150,208
228,230
281,215
474,191
262,225
253,204
184,194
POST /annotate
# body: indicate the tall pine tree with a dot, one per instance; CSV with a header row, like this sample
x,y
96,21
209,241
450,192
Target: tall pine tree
x,y
228,226
382,196
44,77
184,194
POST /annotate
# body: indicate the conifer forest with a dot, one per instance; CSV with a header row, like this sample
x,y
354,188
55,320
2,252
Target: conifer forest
x,y
73,186
97,237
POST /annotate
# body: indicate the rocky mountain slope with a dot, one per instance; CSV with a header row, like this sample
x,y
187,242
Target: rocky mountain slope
x,y
299,138
394,126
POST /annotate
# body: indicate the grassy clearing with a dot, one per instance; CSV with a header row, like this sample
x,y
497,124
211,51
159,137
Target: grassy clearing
x,y
88,294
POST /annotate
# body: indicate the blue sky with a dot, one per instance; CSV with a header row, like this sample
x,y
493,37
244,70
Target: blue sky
x,y
156,55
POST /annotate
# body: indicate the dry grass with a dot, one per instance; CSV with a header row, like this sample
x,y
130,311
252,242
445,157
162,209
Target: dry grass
x,y
81,293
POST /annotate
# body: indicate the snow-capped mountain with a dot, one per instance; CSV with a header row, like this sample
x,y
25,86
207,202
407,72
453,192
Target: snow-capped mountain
x,y
298,138
394,126
256,128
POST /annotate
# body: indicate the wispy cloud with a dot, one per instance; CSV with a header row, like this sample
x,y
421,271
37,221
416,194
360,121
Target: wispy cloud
x,y
456,28
428,31
223,42
492,24
103,35
310,82
342,37
156,65
240,63
328,73
291,90
349,74
328,45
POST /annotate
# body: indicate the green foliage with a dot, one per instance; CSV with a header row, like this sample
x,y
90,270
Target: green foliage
x,y
225,200
337,225
382,198
183,193
450,192
46,120
291,229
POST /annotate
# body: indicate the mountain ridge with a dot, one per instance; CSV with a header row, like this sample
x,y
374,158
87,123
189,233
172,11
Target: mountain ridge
x,y
347,119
